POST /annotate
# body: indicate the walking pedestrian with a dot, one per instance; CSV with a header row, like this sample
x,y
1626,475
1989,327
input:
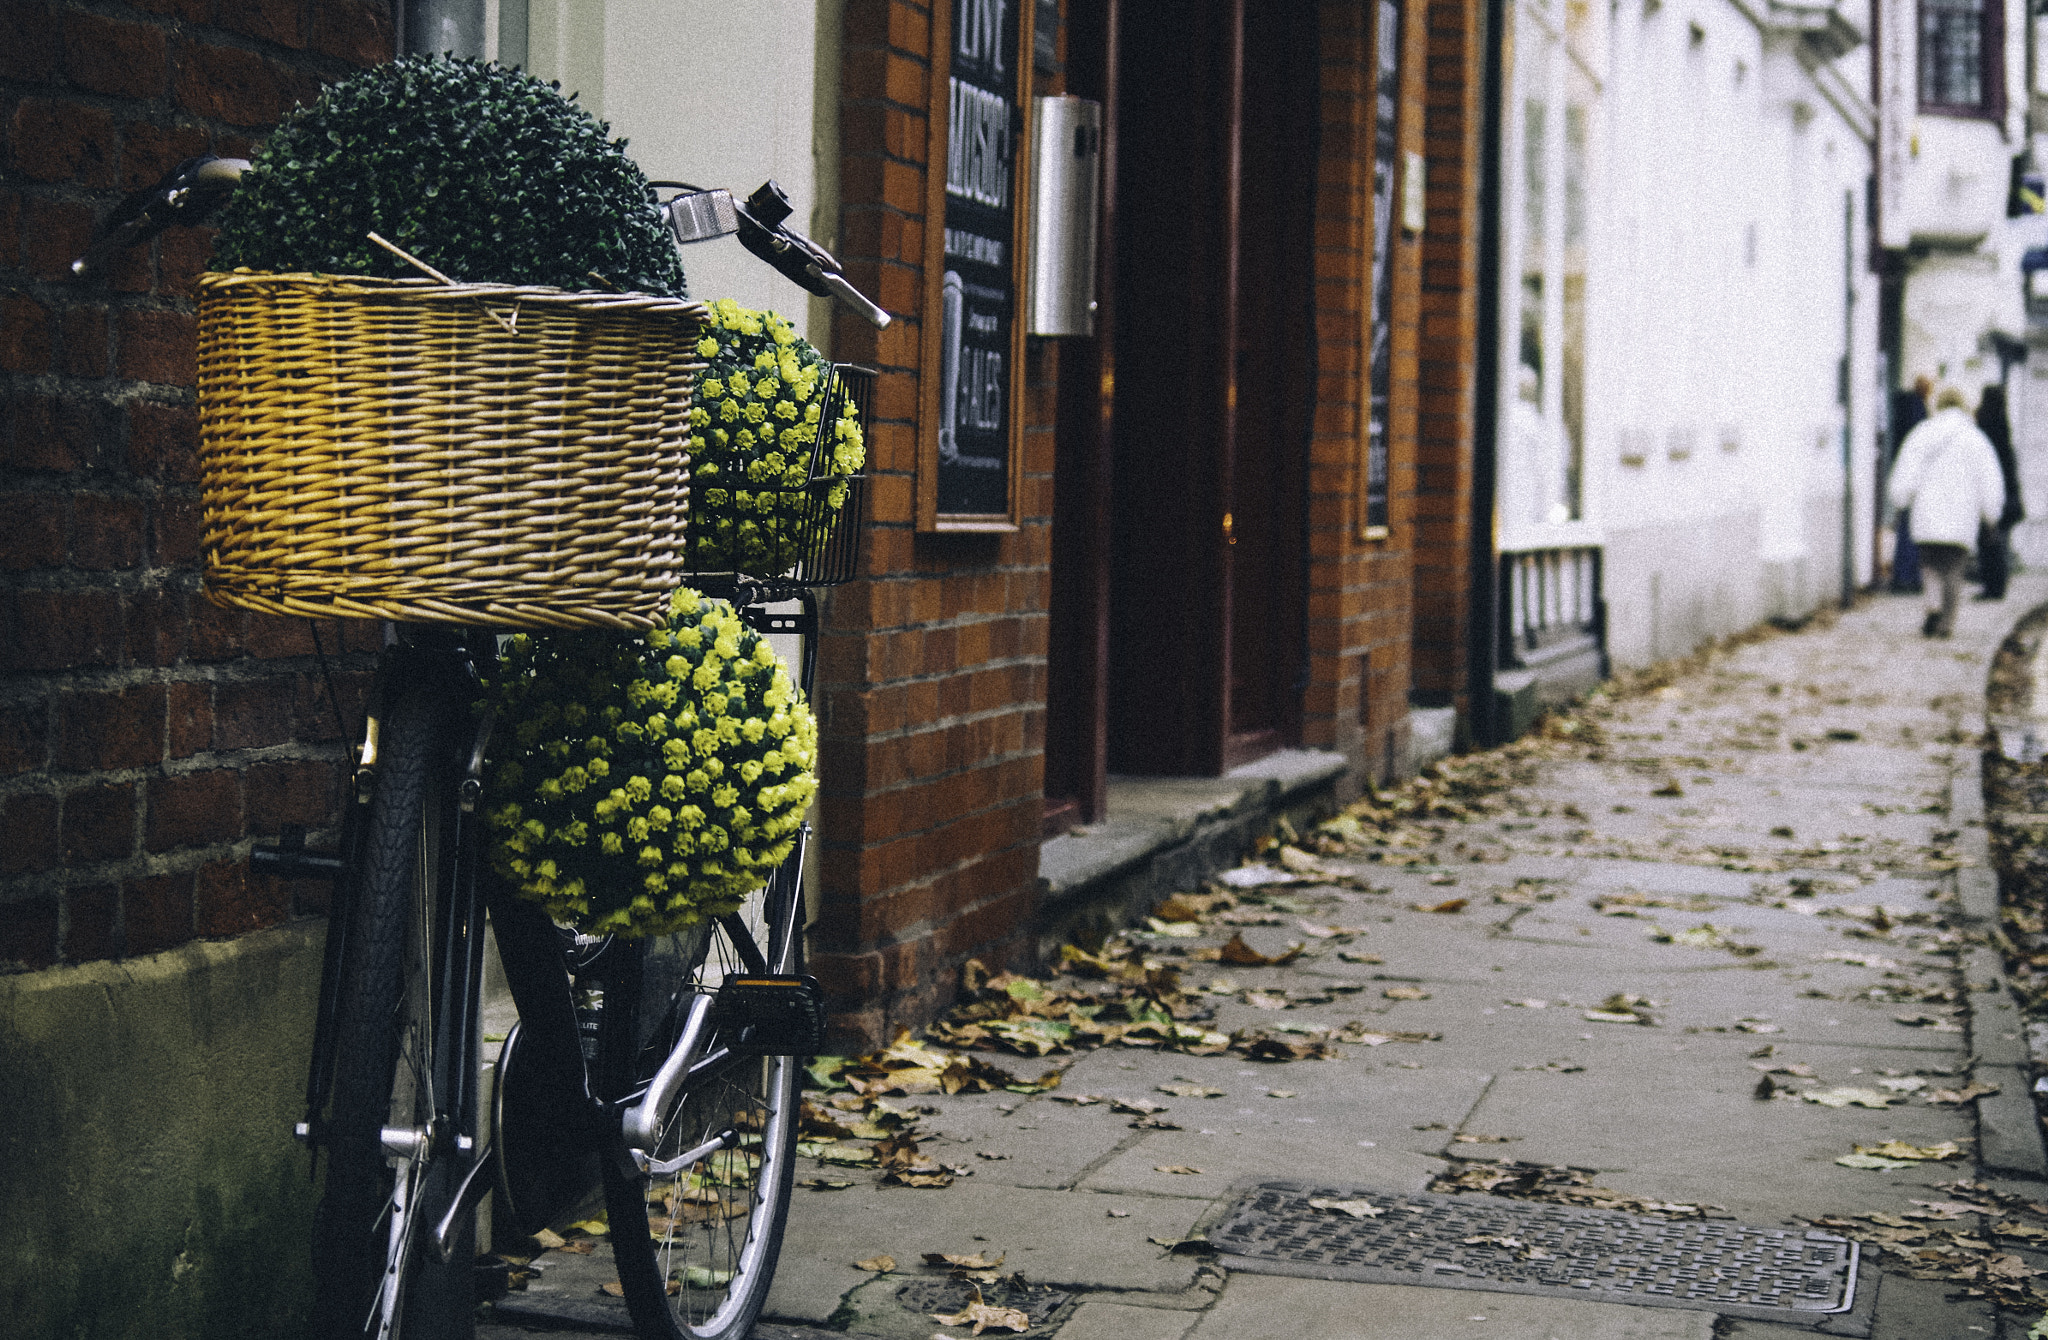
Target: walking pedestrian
x,y
1947,472
1994,543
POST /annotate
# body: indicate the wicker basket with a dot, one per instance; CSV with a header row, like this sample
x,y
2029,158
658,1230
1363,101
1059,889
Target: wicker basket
x,y
485,454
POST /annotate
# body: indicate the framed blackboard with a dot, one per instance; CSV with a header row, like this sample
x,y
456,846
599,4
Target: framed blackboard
x,y
970,439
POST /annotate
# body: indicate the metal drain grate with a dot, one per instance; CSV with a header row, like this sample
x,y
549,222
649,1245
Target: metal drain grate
x,y
1486,1242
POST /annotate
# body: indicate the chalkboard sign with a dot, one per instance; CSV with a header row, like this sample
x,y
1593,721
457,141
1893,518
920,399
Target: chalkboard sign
x,y
971,445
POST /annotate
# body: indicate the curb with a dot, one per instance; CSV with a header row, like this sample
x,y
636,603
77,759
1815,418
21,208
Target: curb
x,y
2009,1134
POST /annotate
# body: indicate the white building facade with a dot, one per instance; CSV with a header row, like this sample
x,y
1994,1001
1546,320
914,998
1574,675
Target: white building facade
x,y
1690,385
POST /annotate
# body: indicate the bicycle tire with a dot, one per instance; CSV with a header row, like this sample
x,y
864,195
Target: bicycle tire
x,y
701,1269
371,1279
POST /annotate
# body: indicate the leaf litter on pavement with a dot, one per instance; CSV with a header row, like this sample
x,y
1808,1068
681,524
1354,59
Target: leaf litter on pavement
x,y
1973,1238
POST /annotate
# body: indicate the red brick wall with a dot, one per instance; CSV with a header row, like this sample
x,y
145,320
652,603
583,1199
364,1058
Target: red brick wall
x,y
932,669
145,735
1450,286
1359,600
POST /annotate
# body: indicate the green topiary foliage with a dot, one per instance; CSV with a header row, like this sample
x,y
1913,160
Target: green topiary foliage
x,y
485,173
638,786
752,431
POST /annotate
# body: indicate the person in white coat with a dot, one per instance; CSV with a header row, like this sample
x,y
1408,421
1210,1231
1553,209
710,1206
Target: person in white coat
x,y
1947,472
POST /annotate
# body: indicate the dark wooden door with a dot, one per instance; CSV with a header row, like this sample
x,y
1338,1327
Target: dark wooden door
x,y
1275,352
1212,380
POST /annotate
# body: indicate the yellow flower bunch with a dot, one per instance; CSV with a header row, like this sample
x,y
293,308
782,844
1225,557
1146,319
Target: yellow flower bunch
x,y
641,785
754,437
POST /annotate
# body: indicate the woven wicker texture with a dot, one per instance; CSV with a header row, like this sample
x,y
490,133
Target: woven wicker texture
x,y
399,449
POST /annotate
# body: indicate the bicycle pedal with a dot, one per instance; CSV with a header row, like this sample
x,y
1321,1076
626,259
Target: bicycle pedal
x,y
771,1016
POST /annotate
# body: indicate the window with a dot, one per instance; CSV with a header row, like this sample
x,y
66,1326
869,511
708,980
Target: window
x,y
1961,54
1551,102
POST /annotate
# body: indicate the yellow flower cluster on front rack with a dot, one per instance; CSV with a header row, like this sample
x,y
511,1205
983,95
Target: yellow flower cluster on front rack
x,y
761,481
640,785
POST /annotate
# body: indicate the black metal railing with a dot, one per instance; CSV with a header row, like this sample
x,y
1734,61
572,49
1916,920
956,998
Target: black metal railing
x,y
1551,605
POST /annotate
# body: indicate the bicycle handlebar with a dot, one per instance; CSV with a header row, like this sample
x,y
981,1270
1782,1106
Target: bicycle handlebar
x,y
699,215
186,194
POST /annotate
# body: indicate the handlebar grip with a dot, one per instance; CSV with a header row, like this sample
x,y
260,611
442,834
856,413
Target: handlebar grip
x,y
851,296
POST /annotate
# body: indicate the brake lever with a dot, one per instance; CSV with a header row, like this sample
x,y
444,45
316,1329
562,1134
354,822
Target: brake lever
x,y
186,194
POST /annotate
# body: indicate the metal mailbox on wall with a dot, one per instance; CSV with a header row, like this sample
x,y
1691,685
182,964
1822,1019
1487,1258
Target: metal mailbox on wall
x,y
1066,164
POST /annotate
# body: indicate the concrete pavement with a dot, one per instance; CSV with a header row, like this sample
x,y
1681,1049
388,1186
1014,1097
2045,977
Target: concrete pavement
x,y
1744,878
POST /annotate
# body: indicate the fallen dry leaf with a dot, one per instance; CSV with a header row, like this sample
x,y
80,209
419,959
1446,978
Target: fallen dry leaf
x,y
1135,1107
880,1265
1266,1000
1235,950
1405,993
1178,1168
1183,1089
1899,1149
1448,905
1843,1097
978,1261
983,1315
1357,1209
1350,956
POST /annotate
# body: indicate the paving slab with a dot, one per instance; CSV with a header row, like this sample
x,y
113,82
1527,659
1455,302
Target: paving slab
x,y
1268,1307
1052,1237
1100,1320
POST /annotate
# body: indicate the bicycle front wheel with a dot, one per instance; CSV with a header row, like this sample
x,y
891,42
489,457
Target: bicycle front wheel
x,y
390,1163
696,1248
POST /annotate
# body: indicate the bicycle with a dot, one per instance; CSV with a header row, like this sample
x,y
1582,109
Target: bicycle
x,y
664,1070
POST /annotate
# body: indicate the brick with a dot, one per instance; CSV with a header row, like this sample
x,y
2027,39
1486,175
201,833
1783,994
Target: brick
x,y
156,912
149,151
357,31
53,234
182,256
157,346
188,713
216,631
109,56
24,736
163,442
290,793
26,332
107,534
229,900
62,434
155,626
98,824
31,42
10,228
34,536
229,84
28,834
84,333
56,141
103,731
28,926
279,21
313,718
174,530
253,714
63,630
92,922
194,810
272,636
